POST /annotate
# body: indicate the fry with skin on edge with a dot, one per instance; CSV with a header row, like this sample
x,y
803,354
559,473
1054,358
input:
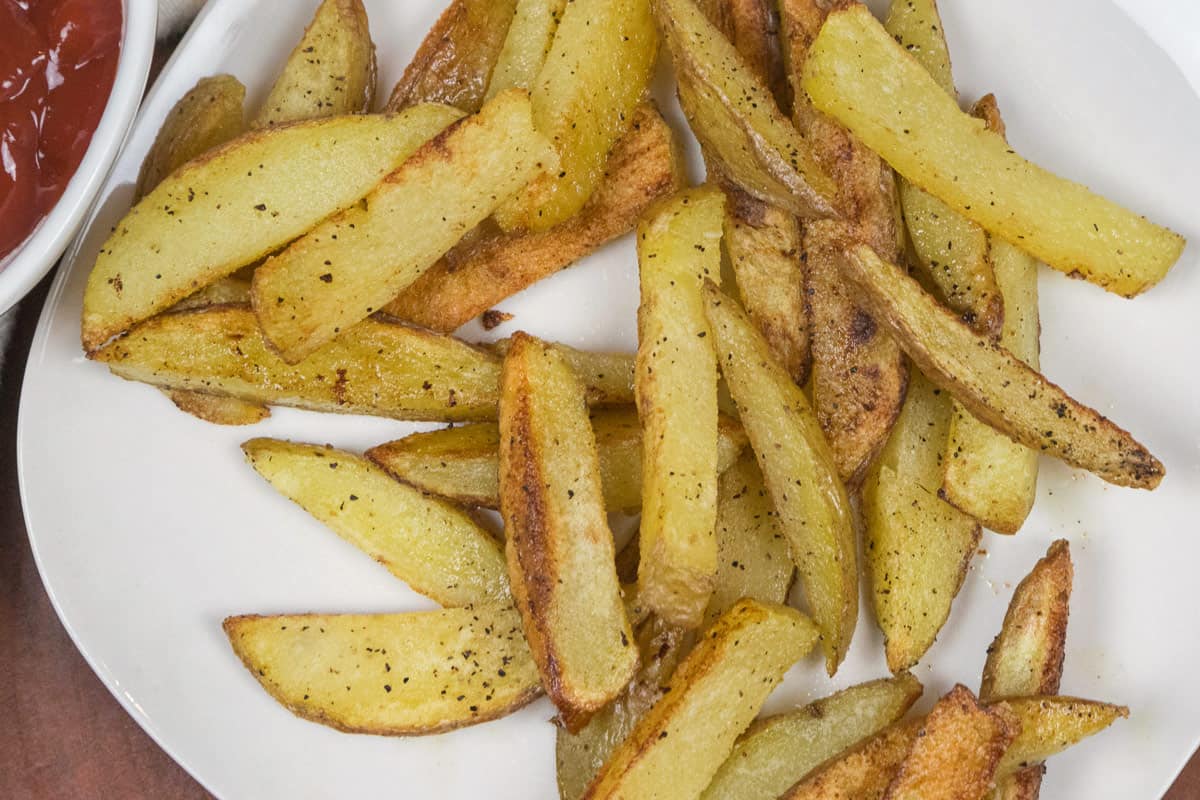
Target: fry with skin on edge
x,y
809,498
559,546
993,384
526,45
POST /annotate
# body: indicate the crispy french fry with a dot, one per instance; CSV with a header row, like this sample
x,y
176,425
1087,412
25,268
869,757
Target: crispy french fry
x,y
391,674
429,544
713,696
526,45
240,203
988,475
454,63
595,75
331,71
460,462
993,384
917,546
678,247
355,262
480,272
809,498
559,547
736,120
778,751
859,74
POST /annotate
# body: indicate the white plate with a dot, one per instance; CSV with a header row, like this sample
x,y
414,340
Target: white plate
x,y
148,528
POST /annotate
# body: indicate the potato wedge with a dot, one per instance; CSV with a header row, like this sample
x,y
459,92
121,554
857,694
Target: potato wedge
x,y
992,383
479,273
988,475
778,751
713,696
526,45
736,120
858,371
861,773
951,251
391,674
752,26
240,203
679,245
428,543
578,757
752,554
1049,725
331,71
454,63
809,498
460,463
355,262
558,544
860,75
209,115
917,546
607,377
594,76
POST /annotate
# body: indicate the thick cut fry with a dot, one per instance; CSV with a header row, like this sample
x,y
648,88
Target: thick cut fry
x,y
951,250
862,772
219,410
479,273
460,463
594,76
1050,725
736,120
858,370
240,203
860,75
809,498
454,63
391,674
753,26
429,544
580,756
331,71
559,547
917,546
676,748
778,751
679,245
988,475
352,264
526,45
608,377
993,384
752,553
955,755
206,117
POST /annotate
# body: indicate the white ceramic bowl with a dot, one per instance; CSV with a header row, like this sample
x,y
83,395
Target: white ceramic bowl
x,y
21,269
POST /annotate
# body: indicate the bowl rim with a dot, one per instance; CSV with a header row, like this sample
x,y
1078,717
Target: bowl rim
x,y
21,269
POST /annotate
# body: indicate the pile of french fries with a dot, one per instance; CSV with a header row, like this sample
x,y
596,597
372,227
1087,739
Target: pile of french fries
x,y
837,331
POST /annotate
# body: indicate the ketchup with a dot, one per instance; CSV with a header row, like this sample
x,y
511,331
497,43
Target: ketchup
x,y
58,59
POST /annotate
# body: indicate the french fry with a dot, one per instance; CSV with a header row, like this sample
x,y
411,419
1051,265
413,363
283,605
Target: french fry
x,y
460,462
993,384
1049,725
678,248
236,205
331,71
752,26
778,751
526,45
594,76
675,749
480,272
987,475
608,378
809,498
858,373
952,251
355,262
391,674
917,547
429,544
736,120
860,75
559,547
454,63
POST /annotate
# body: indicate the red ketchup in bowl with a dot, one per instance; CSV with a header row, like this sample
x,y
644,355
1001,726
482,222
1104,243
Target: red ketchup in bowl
x,y
58,59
